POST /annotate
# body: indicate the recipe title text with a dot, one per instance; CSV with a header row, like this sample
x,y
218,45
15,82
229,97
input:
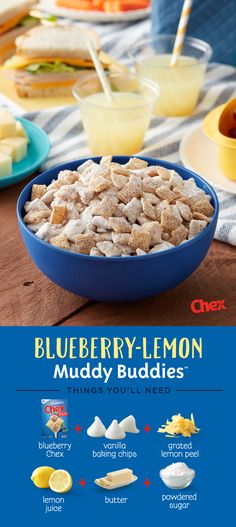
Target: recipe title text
x,y
117,348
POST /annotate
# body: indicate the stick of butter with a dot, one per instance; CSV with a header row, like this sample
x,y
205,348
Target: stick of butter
x,y
104,482
120,476
5,165
7,124
19,145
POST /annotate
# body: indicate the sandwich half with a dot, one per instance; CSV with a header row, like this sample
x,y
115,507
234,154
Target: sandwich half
x,y
49,60
14,21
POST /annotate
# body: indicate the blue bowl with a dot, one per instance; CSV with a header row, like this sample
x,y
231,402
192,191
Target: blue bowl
x,y
116,278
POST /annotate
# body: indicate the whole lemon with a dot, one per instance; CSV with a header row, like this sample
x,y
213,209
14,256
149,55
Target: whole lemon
x,y
41,475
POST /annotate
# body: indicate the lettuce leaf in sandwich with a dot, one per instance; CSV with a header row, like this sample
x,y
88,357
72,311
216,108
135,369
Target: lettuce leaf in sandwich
x,y
29,19
50,67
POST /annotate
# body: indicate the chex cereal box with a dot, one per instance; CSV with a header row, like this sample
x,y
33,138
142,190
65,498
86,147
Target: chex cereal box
x,y
54,418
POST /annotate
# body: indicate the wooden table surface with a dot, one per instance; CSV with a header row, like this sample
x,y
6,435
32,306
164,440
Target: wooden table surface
x,y
28,298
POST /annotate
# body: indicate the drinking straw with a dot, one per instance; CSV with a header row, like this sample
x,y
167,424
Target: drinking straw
x,y
180,35
100,71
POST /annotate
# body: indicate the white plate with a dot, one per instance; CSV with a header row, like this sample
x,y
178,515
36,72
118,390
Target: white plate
x,y
113,487
199,154
49,6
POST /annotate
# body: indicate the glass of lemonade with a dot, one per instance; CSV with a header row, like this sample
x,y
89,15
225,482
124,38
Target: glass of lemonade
x,y
179,85
117,127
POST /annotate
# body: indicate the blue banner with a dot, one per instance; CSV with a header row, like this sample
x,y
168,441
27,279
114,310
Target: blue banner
x,y
150,373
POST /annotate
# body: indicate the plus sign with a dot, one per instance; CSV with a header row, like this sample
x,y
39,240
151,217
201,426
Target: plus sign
x,y
82,482
78,428
147,428
147,482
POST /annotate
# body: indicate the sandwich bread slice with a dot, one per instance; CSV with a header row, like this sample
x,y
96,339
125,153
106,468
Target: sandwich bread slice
x,y
14,21
49,60
57,41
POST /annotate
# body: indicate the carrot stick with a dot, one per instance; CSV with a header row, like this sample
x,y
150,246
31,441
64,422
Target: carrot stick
x,y
83,5
98,4
114,6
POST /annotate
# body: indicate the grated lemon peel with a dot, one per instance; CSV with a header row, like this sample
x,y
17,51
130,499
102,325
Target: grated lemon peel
x,y
179,426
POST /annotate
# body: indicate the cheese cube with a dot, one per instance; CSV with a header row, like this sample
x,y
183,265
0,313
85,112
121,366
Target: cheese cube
x,y
5,165
20,131
7,124
7,150
19,145
120,476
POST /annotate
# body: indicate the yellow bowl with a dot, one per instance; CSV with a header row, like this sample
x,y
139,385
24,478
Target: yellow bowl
x,y
212,126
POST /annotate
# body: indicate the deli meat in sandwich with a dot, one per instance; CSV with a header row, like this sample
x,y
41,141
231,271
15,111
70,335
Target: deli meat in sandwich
x,y
14,21
50,59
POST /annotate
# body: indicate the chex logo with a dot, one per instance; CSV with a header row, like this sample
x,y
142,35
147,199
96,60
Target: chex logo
x,y
53,409
200,306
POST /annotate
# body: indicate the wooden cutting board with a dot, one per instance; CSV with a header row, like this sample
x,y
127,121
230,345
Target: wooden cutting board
x,y
31,104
